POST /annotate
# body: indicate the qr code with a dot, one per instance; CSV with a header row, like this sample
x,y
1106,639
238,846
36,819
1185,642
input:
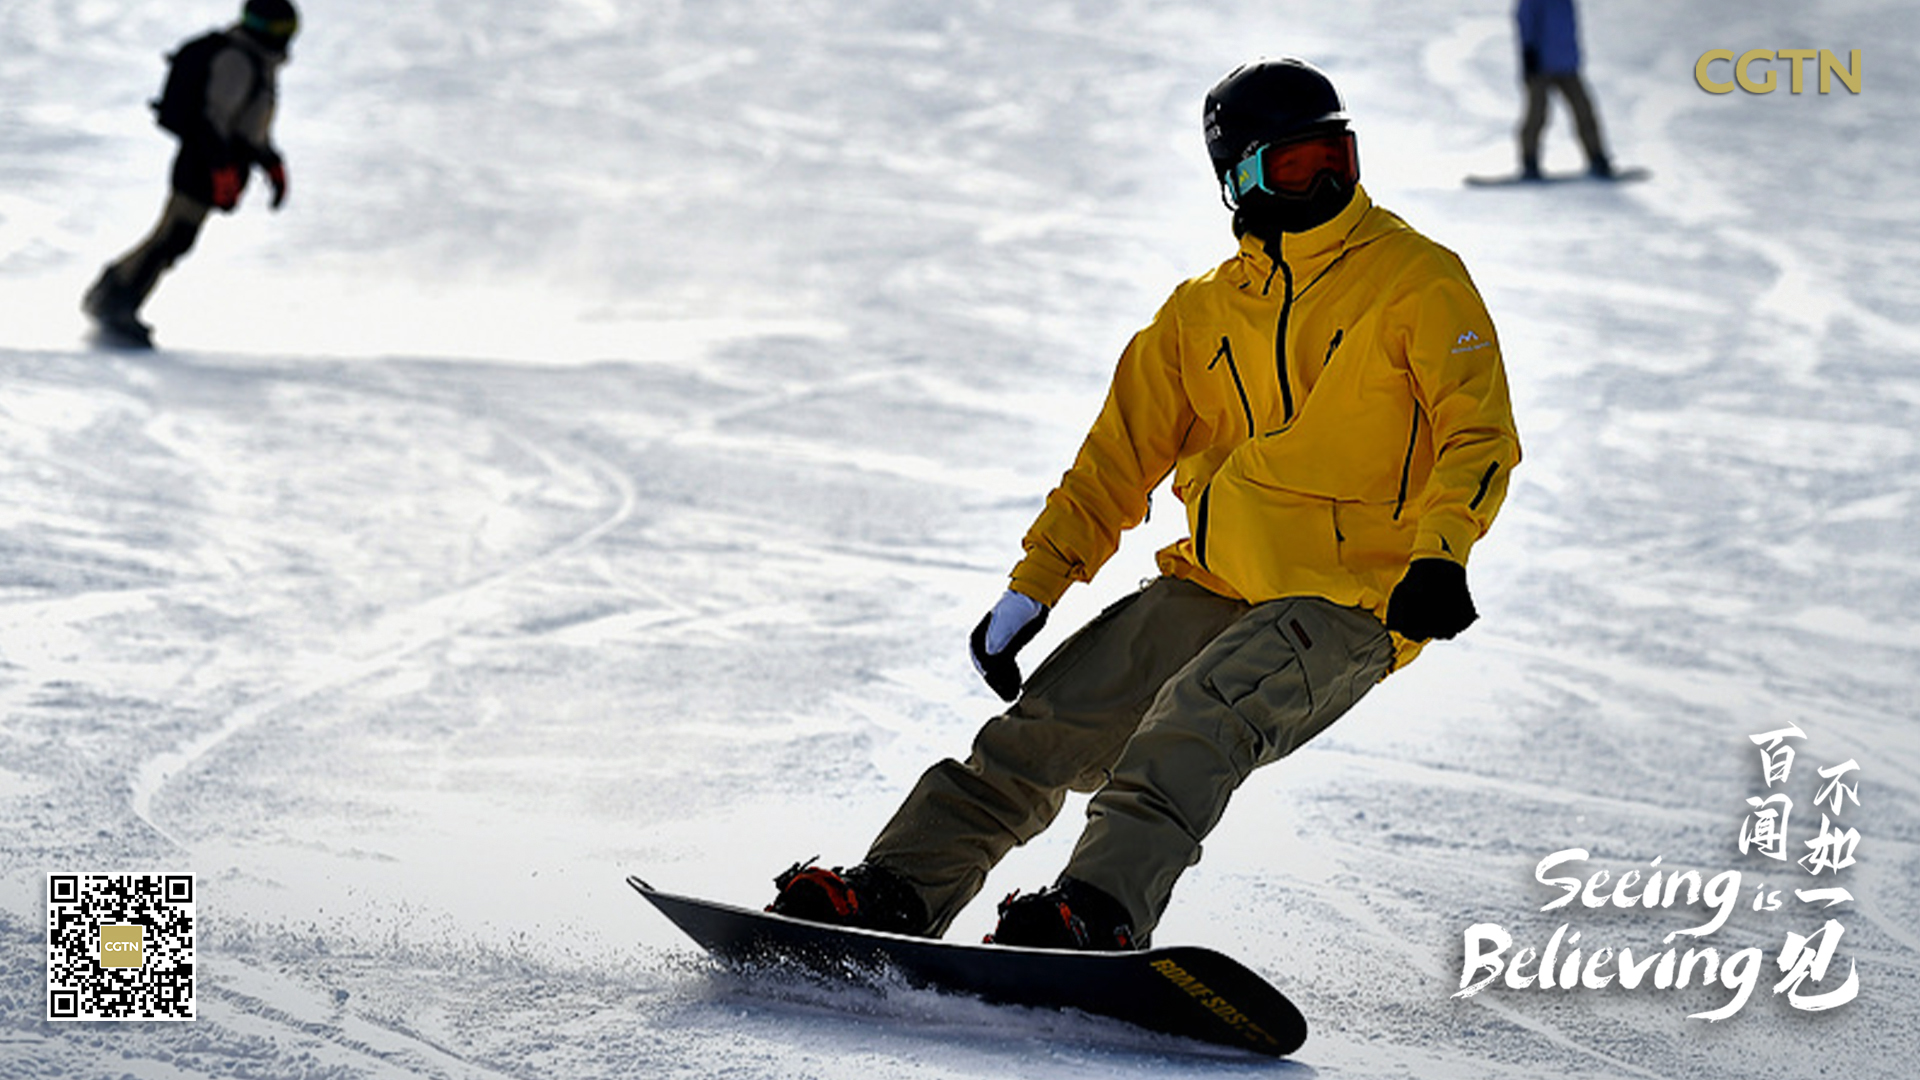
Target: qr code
x,y
120,947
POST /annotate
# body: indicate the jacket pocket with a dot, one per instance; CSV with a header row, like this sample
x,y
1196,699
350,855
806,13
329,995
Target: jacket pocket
x,y
1266,542
1374,539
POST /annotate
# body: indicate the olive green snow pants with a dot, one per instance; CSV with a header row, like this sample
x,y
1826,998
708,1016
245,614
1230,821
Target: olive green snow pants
x,y
1162,706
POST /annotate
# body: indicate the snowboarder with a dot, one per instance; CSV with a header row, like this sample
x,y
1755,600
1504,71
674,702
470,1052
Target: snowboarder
x,y
1549,61
1331,404
219,102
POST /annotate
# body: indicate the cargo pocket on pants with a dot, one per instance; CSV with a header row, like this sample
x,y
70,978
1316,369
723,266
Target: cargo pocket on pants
x,y
1265,691
1300,668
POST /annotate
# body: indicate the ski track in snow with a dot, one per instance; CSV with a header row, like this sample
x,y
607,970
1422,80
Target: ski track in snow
x,y
394,635
653,396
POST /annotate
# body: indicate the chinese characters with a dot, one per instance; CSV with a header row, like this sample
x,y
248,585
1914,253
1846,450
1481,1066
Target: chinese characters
x,y
1805,957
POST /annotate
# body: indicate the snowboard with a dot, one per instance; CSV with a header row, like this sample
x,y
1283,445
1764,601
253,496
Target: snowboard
x,y
1620,176
1179,990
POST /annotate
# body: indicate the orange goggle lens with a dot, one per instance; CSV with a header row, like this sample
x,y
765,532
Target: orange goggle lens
x,y
1291,168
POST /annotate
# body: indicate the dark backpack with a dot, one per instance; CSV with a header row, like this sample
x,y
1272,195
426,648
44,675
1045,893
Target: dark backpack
x,y
182,105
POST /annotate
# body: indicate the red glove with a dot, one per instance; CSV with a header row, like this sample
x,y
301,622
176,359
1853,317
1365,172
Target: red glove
x,y
228,180
277,176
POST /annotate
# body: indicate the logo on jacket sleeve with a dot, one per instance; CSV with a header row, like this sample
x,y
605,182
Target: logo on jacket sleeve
x,y
1469,341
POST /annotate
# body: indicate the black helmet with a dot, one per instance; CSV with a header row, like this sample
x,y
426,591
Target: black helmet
x,y
272,21
1274,103
1270,101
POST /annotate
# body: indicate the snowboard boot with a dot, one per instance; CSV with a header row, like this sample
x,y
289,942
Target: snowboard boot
x,y
865,896
113,307
1070,915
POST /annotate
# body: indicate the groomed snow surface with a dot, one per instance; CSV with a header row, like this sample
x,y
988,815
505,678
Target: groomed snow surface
x,y
597,466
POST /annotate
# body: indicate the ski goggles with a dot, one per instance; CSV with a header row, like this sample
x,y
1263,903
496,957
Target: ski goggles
x,y
277,29
1291,168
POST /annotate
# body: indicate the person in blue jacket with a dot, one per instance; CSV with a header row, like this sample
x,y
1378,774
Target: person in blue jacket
x,y
1550,60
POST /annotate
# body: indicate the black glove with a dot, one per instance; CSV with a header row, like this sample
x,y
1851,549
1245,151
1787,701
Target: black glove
x,y
1431,601
1001,634
1529,62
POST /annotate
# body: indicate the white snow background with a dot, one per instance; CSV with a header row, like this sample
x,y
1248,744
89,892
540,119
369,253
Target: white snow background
x,y
597,466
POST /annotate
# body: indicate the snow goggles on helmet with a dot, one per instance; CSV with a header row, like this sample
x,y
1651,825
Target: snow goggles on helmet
x,y
1291,168
273,29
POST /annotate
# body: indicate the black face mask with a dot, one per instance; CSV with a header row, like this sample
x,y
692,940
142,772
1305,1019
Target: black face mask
x,y
1268,216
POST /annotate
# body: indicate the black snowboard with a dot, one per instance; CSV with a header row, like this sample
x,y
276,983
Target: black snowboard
x,y
1181,990
1619,176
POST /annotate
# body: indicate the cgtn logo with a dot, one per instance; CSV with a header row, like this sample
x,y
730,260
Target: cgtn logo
x,y
122,946
1823,61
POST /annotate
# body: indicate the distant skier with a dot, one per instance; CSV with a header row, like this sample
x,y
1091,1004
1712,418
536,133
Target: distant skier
x,y
1333,409
219,102
1550,60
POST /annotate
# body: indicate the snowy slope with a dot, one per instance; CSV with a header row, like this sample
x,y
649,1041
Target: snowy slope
x,y
596,467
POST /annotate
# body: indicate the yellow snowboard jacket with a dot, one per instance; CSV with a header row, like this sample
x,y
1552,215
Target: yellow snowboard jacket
x,y
1328,417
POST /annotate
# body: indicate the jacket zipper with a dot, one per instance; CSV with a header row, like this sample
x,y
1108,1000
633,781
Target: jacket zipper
x,y
1226,350
1406,467
1275,251
1332,345
1200,533
1280,345
1486,481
